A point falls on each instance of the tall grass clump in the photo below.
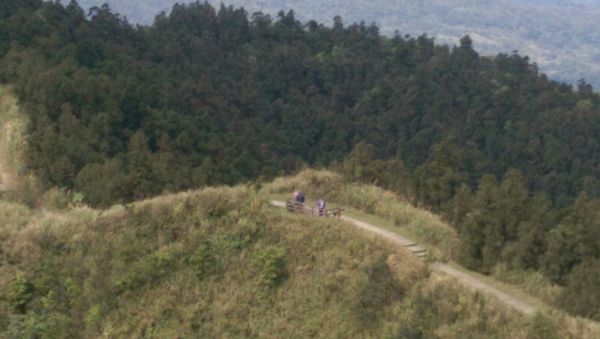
(534, 282)
(13, 126)
(24, 188)
(314, 182)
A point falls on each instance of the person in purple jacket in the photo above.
(321, 206)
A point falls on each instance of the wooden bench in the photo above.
(294, 207)
(336, 212)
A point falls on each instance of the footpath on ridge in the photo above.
(463, 277)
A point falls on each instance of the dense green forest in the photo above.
(212, 96)
(558, 35)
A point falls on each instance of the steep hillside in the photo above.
(557, 35)
(223, 263)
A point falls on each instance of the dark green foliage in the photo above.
(148, 269)
(437, 180)
(19, 292)
(361, 165)
(203, 261)
(461, 203)
(379, 290)
(271, 265)
(581, 296)
(576, 239)
(542, 328)
(502, 223)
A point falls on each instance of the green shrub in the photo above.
(378, 290)
(542, 327)
(19, 293)
(57, 199)
(531, 281)
(26, 326)
(147, 270)
(271, 265)
(60, 199)
(93, 318)
(581, 296)
(203, 261)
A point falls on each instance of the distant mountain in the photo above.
(557, 34)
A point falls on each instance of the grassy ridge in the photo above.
(386, 209)
(223, 263)
(369, 202)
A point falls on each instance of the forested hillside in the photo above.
(208, 96)
(560, 36)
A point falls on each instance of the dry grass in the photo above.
(23, 186)
(13, 125)
(338, 282)
(533, 282)
(384, 208)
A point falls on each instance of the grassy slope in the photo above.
(221, 262)
(145, 269)
(383, 208)
(374, 205)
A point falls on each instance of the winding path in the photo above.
(463, 277)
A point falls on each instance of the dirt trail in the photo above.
(475, 283)
(463, 277)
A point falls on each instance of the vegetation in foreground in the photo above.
(579, 295)
(221, 262)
